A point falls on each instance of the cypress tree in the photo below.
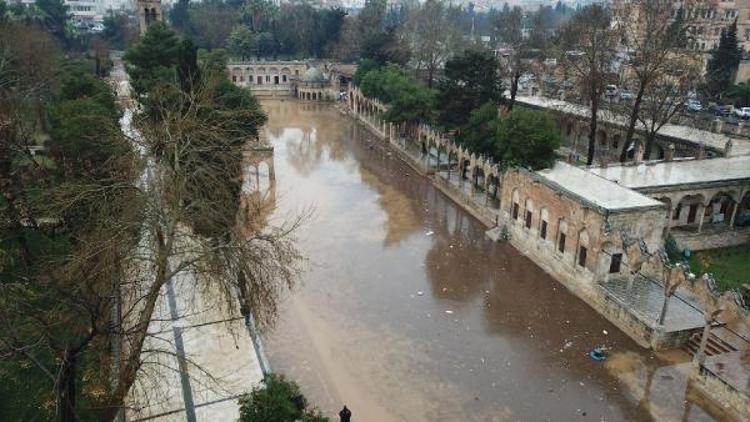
(723, 62)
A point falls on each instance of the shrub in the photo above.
(277, 400)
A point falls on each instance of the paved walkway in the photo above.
(200, 356)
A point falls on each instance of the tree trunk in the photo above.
(66, 388)
(649, 146)
(664, 307)
(700, 357)
(513, 90)
(132, 361)
(592, 130)
(631, 124)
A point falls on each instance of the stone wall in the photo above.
(735, 404)
(705, 240)
(601, 234)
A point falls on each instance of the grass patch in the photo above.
(730, 266)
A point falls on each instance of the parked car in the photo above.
(742, 112)
(693, 105)
(610, 90)
(722, 110)
(626, 95)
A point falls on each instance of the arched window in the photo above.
(529, 210)
(583, 248)
(543, 223)
(562, 234)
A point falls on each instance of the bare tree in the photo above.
(431, 36)
(190, 197)
(655, 49)
(668, 93)
(587, 46)
(509, 28)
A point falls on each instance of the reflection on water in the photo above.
(407, 312)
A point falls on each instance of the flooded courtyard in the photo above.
(406, 312)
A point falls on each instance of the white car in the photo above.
(693, 105)
(742, 112)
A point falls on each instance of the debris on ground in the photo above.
(599, 353)
(429, 233)
(420, 293)
(449, 312)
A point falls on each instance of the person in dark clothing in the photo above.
(345, 415)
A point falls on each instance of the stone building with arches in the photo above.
(671, 142)
(708, 201)
(296, 79)
(595, 236)
(602, 241)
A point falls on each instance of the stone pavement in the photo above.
(200, 356)
(206, 359)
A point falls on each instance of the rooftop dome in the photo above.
(313, 75)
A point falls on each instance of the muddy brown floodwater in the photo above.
(407, 313)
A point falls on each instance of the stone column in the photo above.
(701, 151)
(702, 209)
(669, 152)
(717, 125)
(734, 213)
(638, 151)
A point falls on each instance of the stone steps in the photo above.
(715, 345)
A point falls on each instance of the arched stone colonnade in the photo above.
(478, 176)
(707, 209)
(610, 141)
(460, 166)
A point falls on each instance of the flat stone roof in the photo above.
(715, 141)
(671, 173)
(595, 189)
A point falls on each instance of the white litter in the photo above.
(420, 293)
(429, 233)
(605, 332)
(449, 312)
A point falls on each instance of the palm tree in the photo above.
(740, 93)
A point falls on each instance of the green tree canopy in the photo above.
(153, 59)
(241, 42)
(365, 66)
(55, 18)
(277, 400)
(527, 138)
(724, 60)
(740, 93)
(471, 79)
(409, 100)
(479, 134)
